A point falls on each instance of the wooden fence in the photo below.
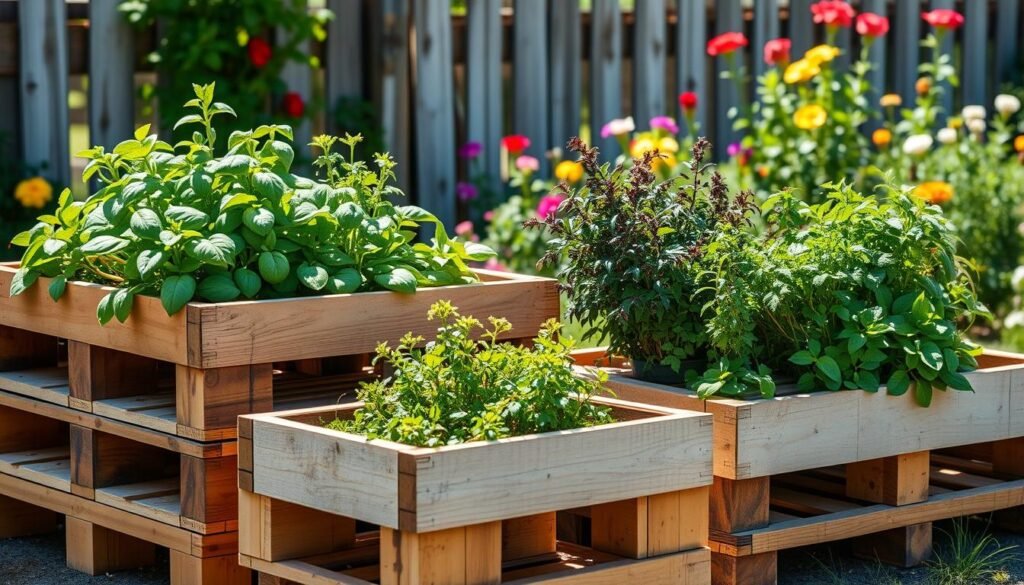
(543, 68)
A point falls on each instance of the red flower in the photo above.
(833, 13)
(777, 51)
(688, 100)
(943, 18)
(726, 43)
(515, 143)
(293, 105)
(259, 52)
(872, 25)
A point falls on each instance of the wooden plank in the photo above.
(484, 113)
(157, 499)
(528, 536)
(46, 466)
(95, 550)
(738, 505)
(766, 28)
(565, 32)
(209, 491)
(650, 40)
(343, 64)
(455, 555)
(435, 110)
(906, 35)
(21, 349)
(297, 76)
(211, 399)
(1007, 40)
(605, 73)
(391, 82)
(801, 26)
(47, 384)
(155, 412)
(688, 568)
(976, 66)
(111, 75)
(908, 546)
(879, 63)
(530, 79)
(44, 88)
(759, 569)
(728, 18)
(220, 570)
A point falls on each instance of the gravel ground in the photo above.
(40, 561)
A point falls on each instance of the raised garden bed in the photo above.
(478, 512)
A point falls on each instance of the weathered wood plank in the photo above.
(605, 73)
(691, 59)
(766, 28)
(298, 78)
(111, 73)
(650, 39)
(879, 64)
(975, 73)
(906, 33)
(344, 60)
(729, 18)
(946, 47)
(391, 83)
(530, 80)
(1007, 39)
(566, 44)
(484, 111)
(801, 26)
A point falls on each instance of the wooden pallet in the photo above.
(890, 472)
(304, 490)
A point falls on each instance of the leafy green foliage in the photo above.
(852, 293)
(966, 557)
(181, 223)
(631, 245)
(457, 390)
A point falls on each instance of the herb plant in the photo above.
(183, 223)
(631, 245)
(852, 293)
(457, 390)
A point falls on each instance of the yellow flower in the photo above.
(822, 54)
(881, 137)
(640, 146)
(668, 145)
(801, 71)
(35, 192)
(810, 117)
(955, 123)
(891, 100)
(934, 192)
(1018, 143)
(569, 171)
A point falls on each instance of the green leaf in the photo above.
(312, 276)
(148, 261)
(57, 287)
(176, 292)
(398, 280)
(922, 309)
(218, 249)
(248, 282)
(22, 280)
(145, 223)
(23, 239)
(103, 245)
(268, 185)
(956, 381)
(829, 367)
(898, 383)
(923, 392)
(259, 219)
(105, 309)
(189, 218)
(202, 183)
(931, 355)
(345, 281)
(122, 304)
(218, 288)
(233, 164)
(273, 267)
(478, 252)
(189, 119)
(141, 132)
(802, 358)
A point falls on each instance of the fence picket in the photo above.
(111, 72)
(483, 84)
(1007, 38)
(605, 72)
(298, 78)
(801, 27)
(44, 87)
(530, 76)
(878, 58)
(766, 28)
(906, 47)
(391, 84)
(343, 64)
(691, 57)
(649, 58)
(976, 64)
(435, 110)
(566, 42)
(729, 17)
(946, 100)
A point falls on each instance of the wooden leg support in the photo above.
(1008, 463)
(95, 550)
(101, 460)
(225, 570)
(469, 555)
(209, 493)
(20, 519)
(894, 481)
(738, 505)
(652, 525)
(209, 401)
(529, 536)
(98, 373)
(274, 530)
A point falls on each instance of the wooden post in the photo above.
(529, 536)
(566, 42)
(210, 400)
(18, 518)
(209, 493)
(605, 72)
(435, 110)
(111, 72)
(894, 481)
(738, 505)
(95, 550)
(469, 554)
(274, 530)
(649, 56)
(98, 373)
(44, 87)
(530, 76)
(652, 525)
(190, 570)
(483, 84)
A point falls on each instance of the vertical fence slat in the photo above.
(298, 78)
(435, 109)
(729, 17)
(649, 58)
(691, 57)
(111, 72)
(530, 75)
(976, 66)
(483, 83)
(877, 56)
(946, 101)
(344, 62)
(1007, 33)
(906, 47)
(605, 72)
(766, 28)
(391, 82)
(44, 87)
(566, 37)
(801, 27)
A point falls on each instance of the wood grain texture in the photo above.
(111, 75)
(530, 80)
(484, 112)
(468, 555)
(759, 569)
(565, 33)
(738, 505)
(688, 568)
(605, 73)
(95, 550)
(275, 530)
(222, 570)
(208, 489)
(212, 399)
(22, 349)
(907, 546)
(650, 50)
(691, 58)
(528, 536)
(19, 519)
(896, 481)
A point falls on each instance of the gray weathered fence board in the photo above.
(976, 64)
(906, 47)
(691, 58)
(766, 28)
(566, 42)
(483, 84)
(531, 99)
(391, 85)
(44, 87)
(605, 72)
(729, 16)
(649, 61)
(343, 65)
(801, 27)
(112, 69)
(1007, 38)
(877, 55)
(435, 109)
(298, 78)
(946, 101)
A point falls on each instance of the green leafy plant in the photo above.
(183, 223)
(457, 390)
(852, 293)
(631, 246)
(967, 557)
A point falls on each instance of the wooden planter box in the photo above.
(193, 373)
(802, 469)
(477, 513)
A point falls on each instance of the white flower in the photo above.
(1018, 278)
(917, 144)
(618, 127)
(976, 126)
(1014, 320)
(1007, 104)
(947, 135)
(973, 113)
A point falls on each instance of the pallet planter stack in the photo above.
(321, 507)
(129, 430)
(804, 469)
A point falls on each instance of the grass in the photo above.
(969, 557)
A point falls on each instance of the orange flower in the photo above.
(881, 137)
(35, 192)
(762, 171)
(934, 192)
(923, 85)
(1018, 143)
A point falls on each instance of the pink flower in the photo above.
(489, 215)
(833, 13)
(466, 191)
(665, 123)
(726, 43)
(493, 264)
(776, 51)
(618, 127)
(549, 205)
(464, 228)
(471, 150)
(943, 18)
(526, 163)
(872, 25)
